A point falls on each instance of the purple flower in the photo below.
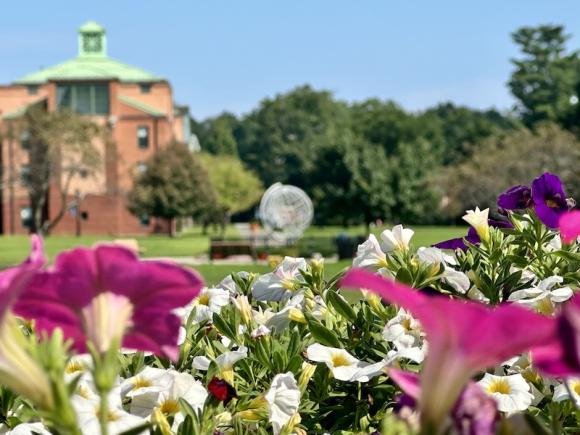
(471, 237)
(549, 199)
(106, 295)
(546, 196)
(516, 198)
(474, 413)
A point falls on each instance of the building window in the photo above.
(84, 98)
(25, 140)
(25, 174)
(32, 89)
(145, 88)
(26, 217)
(143, 137)
(144, 220)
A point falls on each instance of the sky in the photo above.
(229, 55)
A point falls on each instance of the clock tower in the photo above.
(92, 40)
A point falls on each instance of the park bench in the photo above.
(226, 248)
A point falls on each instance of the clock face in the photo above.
(92, 43)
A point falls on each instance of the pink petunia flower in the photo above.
(107, 294)
(570, 226)
(463, 337)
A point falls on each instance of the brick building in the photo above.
(135, 107)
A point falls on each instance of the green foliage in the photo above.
(237, 188)
(546, 77)
(516, 158)
(218, 134)
(173, 185)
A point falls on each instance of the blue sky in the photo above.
(228, 55)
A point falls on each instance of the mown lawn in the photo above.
(14, 249)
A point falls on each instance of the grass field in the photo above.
(14, 249)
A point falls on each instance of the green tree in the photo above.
(545, 80)
(516, 158)
(174, 185)
(61, 148)
(217, 135)
(461, 129)
(236, 187)
(280, 139)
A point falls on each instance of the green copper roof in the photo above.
(91, 26)
(89, 68)
(140, 106)
(92, 63)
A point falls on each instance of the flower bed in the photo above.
(479, 339)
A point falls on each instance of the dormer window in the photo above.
(145, 88)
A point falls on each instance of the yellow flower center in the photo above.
(287, 283)
(575, 386)
(169, 407)
(140, 382)
(203, 299)
(552, 203)
(339, 360)
(84, 392)
(499, 386)
(74, 366)
(406, 324)
(545, 306)
(112, 415)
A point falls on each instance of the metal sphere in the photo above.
(286, 210)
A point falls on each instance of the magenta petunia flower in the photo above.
(561, 357)
(570, 226)
(464, 337)
(106, 294)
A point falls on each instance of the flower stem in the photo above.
(104, 412)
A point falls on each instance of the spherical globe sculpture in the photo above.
(286, 211)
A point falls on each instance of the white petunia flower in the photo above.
(343, 365)
(543, 296)
(369, 255)
(225, 362)
(78, 365)
(86, 405)
(28, 429)
(149, 380)
(512, 392)
(182, 386)
(396, 239)
(260, 331)
(209, 301)
(434, 256)
(282, 283)
(406, 335)
(229, 284)
(562, 391)
(283, 399)
(479, 220)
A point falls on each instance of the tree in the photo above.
(545, 81)
(174, 184)
(236, 187)
(60, 147)
(280, 139)
(217, 135)
(507, 160)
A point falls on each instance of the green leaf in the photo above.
(341, 305)
(322, 334)
(224, 327)
(137, 430)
